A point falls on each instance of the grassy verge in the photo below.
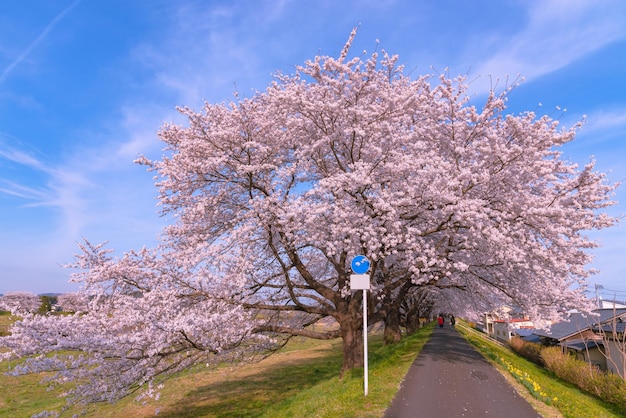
(301, 380)
(539, 382)
(24, 396)
(345, 398)
(6, 320)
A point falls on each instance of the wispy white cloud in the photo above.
(12, 188)
(20, 157)
(139, 124)
(604, 120)
(7, 71)
(603, 135)
(557, 33)
(211, 52)
(37, 182)
(94, 192)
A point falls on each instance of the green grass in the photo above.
(6, 319)
(24, 396)
(300, 381)
(567, 399)
(345, 398)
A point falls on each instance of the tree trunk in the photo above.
(412, 323)
(393, 333)
(351, 326)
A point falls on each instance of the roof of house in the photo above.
(511, 320)
(619, 326)
(578, 322)
(580, 345)
(527, 334)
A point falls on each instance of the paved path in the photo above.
(451, 379)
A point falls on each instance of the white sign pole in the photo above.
(365, 339)
(360, 280)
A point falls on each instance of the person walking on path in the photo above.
(440, 321)
(449, 379)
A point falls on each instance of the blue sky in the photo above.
(85, 86)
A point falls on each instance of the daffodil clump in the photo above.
(525, 379)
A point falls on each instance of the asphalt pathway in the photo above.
(449, 379)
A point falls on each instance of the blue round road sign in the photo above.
(360, 264)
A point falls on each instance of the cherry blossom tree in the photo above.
(20, 303)
(73, 302)
(350, 156)
(141, 322)
(272, 196)
(416, 307)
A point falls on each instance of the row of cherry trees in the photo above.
(19, 303)
(25, 303)
(458, 207)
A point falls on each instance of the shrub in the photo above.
(610, 388)
(606, 386)
(530, 351)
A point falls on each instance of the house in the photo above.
(612, 332)
(489, 318)
(504, 329)
(503, 323)
(591, 338)
(610, 304)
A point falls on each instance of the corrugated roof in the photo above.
(578, 322)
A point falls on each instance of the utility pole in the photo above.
(598, 300)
